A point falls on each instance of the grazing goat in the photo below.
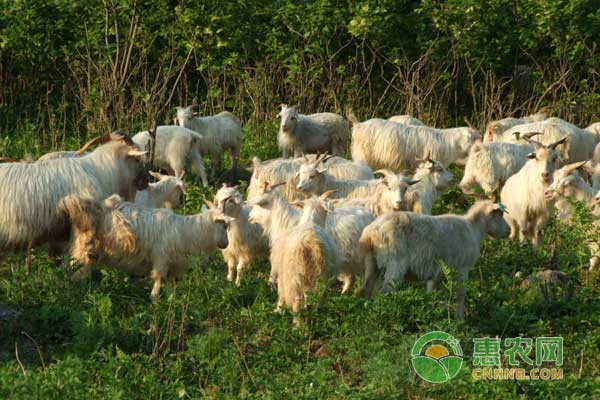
(404, 243)
(344, 224)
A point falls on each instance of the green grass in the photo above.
(206, 338)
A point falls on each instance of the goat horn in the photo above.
(561, 141)
(531, 134)
(325, 195)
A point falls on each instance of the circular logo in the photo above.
(437, 357)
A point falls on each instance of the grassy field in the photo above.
(206, 338)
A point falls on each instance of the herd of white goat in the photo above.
(315, 215)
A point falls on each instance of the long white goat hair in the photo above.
(580, 144)
(284, 170)
(386, 144)
(246, 240)
(32, 191)
(166, 193)
(164, 240)
(406, 120)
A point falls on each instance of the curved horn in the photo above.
(325, 195)
(535, 143)
(561, 141)
(529, 135)
(573, 166)
(517, 135)
(276, 185)
(97, 140)
(210, 204)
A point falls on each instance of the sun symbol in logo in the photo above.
(436, 357)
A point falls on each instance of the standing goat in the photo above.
(246, 240)
(163, 240)
(386, 144)
(29, 202)
(523, 193)
(404, 243)
(302, 134)
(175, 148)
(490, 164)
(221, 133)
(432, 179)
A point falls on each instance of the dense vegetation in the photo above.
(71, 68)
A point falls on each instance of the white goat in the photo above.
(432, 180)
(490, 164)
(246, 240)
(404, 243)
(386, 144)
(344, 225)
(579, 147)
(32, 191)
(176, 146)
(570, 185)
(163, 240)
(301, 252)
(167, 192)
(406, 119)
(523, 193)
(285, 170)
(221, 133)
(387, 193)
(322, 132)
(496, 129)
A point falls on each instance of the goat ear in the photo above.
(321, 170)
(531, 156)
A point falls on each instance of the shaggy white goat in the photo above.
(386, 144)
(580, 146)
(404, 243)
(58, 154)
(176, 146)
(387, 193)
(30, 213)
(490, 164)
(246, 240)
(301, 252)
(322, 132)
(496, 129)
(285, 170)
(221, 133)
(167, 192)
(163, 240)
(523, 193)
(570, 185)
(432, 180)
(344, 225)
